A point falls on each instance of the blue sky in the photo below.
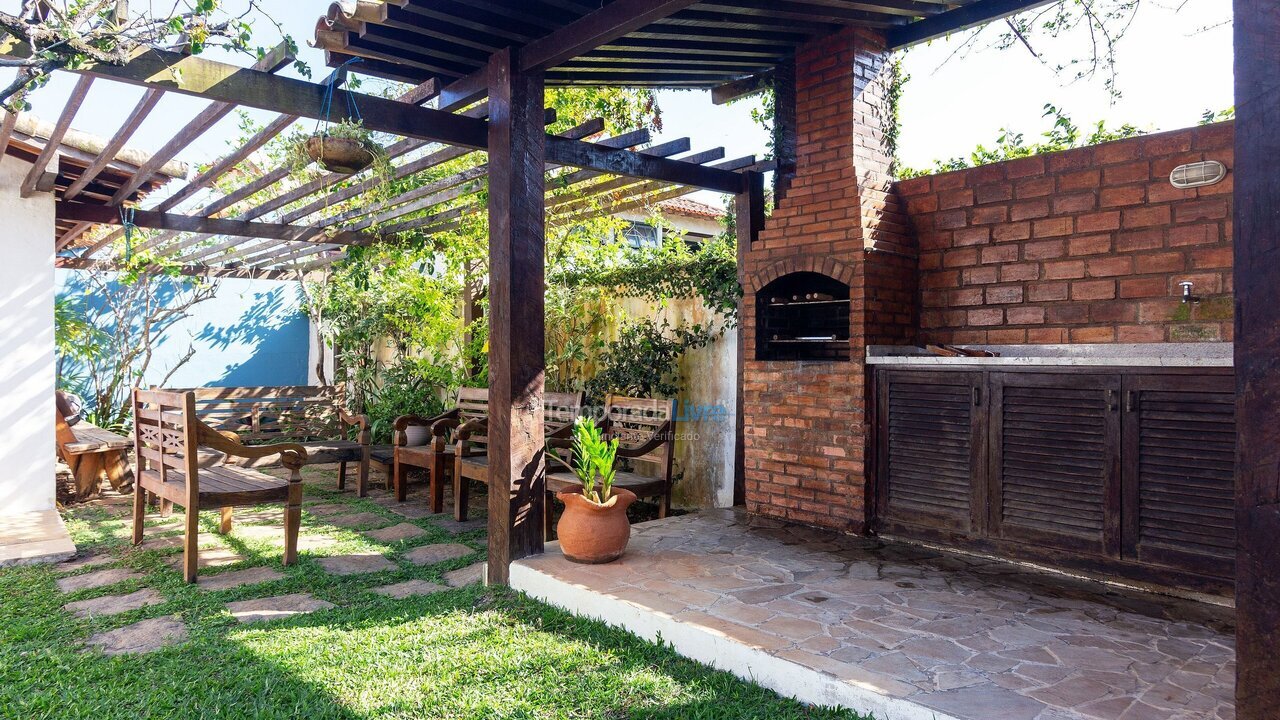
(1171, 71)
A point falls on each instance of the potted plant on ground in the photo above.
(346, 147)
(594, 527)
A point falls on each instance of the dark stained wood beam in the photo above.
(748, 206)
(36, 176)
(1257, 345)
(963, 18)
(193, 75)
(107, 215)
(78, 263)
(140, 112)
(597, 28)
(784, 127)
(730, 91)
(517, 340)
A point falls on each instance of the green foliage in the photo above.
(644, 360)
(592, 460)
(408, 387)
(1210, 116)
(1064, 134)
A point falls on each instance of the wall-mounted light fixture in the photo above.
(1197, 174)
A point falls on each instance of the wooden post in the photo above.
(516, 314)
(784, 127)
(1257, 344)
(748, 207)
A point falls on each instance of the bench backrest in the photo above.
(272, 414)
(166, 435)
(636, 421)
(558, 408)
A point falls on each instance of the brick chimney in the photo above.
(806, 421)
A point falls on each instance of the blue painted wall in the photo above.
(252, 333)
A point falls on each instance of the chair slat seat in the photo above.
(221, 486)
(91, 438)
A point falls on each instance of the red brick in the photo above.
(1202, 258)
(1117, 151)
(1089, 245)
(984, 275)
(1128, 173)
(1139, 333)
(1033, 187)
(1113, 312)
(1213, 209)
(993, 193)
(1011, 231)
(1110, 266)
(1043, 250)
(1069, 314)
(1050, 227)
(1103, 334)
(989, 214)
(1145, 216)
(1029, 209)
(1140, 240)
(986, 317)
(1096, 222)
(1093, 290)
(1159, 263)
(1016, 272)
(1063, 269)
(1193, 235)
(1004, 295)
(951, 199)
(1025, 315)
(1047, 291)
(960, 258)
(1140, 287)
(1079, 202)
(972, 236)
(1080, 180)
(999, 254)
(1117, 197)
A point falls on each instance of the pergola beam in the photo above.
(140, 112)
(962, 18)
(751, 85)
(594, 29)
(35, 177)
(106, 215)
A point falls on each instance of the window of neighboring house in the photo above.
(642, 235)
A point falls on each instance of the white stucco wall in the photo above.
(27, 380)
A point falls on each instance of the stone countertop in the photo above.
(1098, 355)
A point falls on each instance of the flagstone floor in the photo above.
(901, 630)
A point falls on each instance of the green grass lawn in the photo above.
(463, 653)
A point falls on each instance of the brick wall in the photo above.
(805, 422)
(1080, 246)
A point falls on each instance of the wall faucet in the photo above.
(1187, 297)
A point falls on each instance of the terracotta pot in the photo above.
(591, 533)
(340, 155)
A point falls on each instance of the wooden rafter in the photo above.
(106, 215)
(36, 175)
(140, 112)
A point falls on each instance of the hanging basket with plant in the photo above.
(346, 147)
(594, 527)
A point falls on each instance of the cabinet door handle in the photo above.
(1131, 401)
(1113, 400)
(977, 395)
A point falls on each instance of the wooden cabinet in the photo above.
(1126, 471)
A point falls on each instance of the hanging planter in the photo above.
(345, 148)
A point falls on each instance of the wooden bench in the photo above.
(168, 437)
(471, 441)
(313, 417)
(645, 429)
(91, 453)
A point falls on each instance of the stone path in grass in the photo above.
(396, 533)
(465, 576)
(359, 520)
(97, 579)
(274, 608)
(409, 588)
(141, 637)
(432, 554)
(238, 578)
(108, 605)
(357, 564)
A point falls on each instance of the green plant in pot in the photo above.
(346, 147)
(594, 527)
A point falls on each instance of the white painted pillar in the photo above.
(27, 380)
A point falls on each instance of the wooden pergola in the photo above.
(508, 50)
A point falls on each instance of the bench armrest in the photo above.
(558, 432)
(660, 437)
(292, 455)
(471, 427)
(357, 421)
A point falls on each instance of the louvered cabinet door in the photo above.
(1055, 462)
(931, 452)
(1179, 483)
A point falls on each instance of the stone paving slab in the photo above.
(141, 637)
(413, 509)
(408, 588)
(97, 579)
(238, 578)
(359, 520)
(274, 608)
(34, 537)
(355, 564)
(900, 630)
(432, 554)
(210, 558)
(455, 527)
(396, 533)
(465, 576)
(329, 509)
(89, 561)
(114, 604)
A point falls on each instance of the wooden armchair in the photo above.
(167, 439)
(645, 429)
(436, 457)
(471, 444)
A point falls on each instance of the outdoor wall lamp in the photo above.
(1197, 174)
(1187, 297)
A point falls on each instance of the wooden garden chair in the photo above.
(167, 439)
(436, 457)
(471, 443)
(645, 429)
